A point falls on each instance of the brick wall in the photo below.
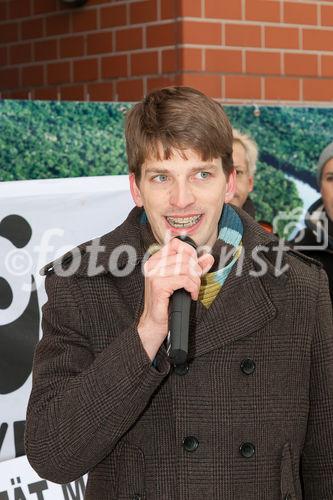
(237, 50)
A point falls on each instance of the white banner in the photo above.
(39, 221)
(18, 481)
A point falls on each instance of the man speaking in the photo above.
(250, 412)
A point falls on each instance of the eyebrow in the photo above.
(199, 168)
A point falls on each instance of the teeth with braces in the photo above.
(179, 222)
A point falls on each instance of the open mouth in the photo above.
(183, 222)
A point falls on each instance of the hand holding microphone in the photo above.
(175, 266)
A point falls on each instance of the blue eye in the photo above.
(204, 175)
(160, 178)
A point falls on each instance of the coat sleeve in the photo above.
(317, 458)
(82, 403)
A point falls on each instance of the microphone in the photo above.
(179, 319)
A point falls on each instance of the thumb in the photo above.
(205, 262)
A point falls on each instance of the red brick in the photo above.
(8, 33)
(9, 78)
(84, 20)
(32, 29)
(33, 76)
(100, 92)
(114, 66)
(327, 65)
(129, 39)
(317, 40)
(201, 33)
(191, 59)
(223, 9)
(281, 38)
(224, 61)
(242, 87)
(170, 60)
(144, 63)
(208, 84)
(282, 88)
(301, 64)
(58, 73)
(300, 13)
(21, 53)
(161, 34)
(190, 8)
(3, 56)
(96, 2)
(262, 10)
(160, 82)
(86, 70)
(44, 6)
(243, 36)
(263, 63)
(318, 90)
(17, 94)
(130, 90)
(72, 46)
(113, 16)
(327, 15)
(3, 11)
(170, 10)
(57, 25)
(19, 8)
(45, 50)
(99, 43)
(72, 93)
(143, 12)
(46, 94)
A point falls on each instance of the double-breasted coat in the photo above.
(251, 418)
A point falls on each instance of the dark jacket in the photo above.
(251, 418)
(249, 207)
(316, 242)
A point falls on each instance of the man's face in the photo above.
(244, 182)
(326, 188)
(183, 196)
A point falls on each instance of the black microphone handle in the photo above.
(180, 304)
(179, 319)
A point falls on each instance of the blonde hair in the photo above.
(250, 147)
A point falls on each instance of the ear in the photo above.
(251, 183)
(135, 191)
(231, 187)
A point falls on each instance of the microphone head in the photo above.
(188, 240)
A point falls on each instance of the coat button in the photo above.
(190, 443)
(181, 369)
(247, 450)
(248, 366)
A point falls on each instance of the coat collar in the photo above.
(125, 245)
(241, 307)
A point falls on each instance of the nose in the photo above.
(182, 195)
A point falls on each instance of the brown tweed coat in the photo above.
(251, 419)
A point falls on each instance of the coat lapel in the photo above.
(241, 307)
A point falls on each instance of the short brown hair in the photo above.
(177, 118)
